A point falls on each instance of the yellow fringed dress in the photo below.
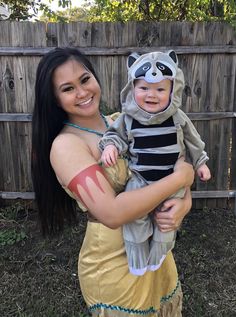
(108, 288)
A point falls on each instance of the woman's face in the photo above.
(76, 89)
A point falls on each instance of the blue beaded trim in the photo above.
(168, 297)
(135, 311)
(122, 309)
(88, 129)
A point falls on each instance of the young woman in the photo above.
(67, 125)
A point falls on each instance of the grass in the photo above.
(206, 258)
(39, 276)
(11, 231)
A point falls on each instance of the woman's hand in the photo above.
(172, 213)
(185, 170)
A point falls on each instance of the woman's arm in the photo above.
(77, 169)
(173, 212)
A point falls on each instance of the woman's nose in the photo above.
(80, 92)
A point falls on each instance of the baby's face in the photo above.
(152, 97)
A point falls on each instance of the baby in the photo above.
(153, 132)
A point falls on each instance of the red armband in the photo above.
(82, 178)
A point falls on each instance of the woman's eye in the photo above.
(85, 79)
(69, 88)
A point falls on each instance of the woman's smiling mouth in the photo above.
(85, 103)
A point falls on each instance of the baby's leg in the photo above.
(136, 237)
(161, 243)
(137, 234)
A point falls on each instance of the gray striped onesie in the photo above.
(153, 143)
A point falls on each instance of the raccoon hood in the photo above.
(152, 67)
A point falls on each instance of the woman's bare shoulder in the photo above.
(69, 155)
(66, 141)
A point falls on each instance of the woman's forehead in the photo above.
(71, 65)
(71, 69)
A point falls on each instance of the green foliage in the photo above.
(11, 232)
(149, 10)
(154, 10)
(126, 10)
(11, 236)
(27, 9)
(11, 212)
(162, 10)
(114, 11)
(68, 15)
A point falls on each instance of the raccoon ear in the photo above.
(173, 55)
(132, 58)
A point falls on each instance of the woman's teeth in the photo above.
(86, 102)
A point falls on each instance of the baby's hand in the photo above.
(204, 173)
(109, 155)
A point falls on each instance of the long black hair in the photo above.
(54, 205)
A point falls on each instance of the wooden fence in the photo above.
(207, 55)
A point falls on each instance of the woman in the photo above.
(67, 125)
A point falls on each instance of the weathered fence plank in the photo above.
(120, 51)
(230, 195)
(23, 117)
(199, 116)
(17, 76)
(19, 34)
(195, 194)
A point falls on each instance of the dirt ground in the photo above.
(39, 276)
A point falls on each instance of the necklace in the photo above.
(88, 129)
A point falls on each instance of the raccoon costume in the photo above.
(153, 143)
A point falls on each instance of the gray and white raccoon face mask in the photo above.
(152, 67)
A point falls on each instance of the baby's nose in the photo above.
(152, 94)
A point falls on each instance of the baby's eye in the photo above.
(160, 89)
(143, 88)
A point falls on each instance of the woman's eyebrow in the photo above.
(64, 84)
